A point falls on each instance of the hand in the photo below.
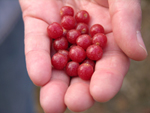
(121, 20)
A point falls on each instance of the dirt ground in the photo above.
(134, 96)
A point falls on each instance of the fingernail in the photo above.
(140, 41)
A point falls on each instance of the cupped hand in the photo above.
(121, 20)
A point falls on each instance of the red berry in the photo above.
(73, 40)
(65, 53)
(72, 35)
(99, 39)
(91, 62)
(54, 30)
(71, 46)
(77, 54)
(64, 32)
(60, 43)
(84, 41)
(94, 52)
(82, 16)
(66, 10)
(85, 71)
(72, 68)
(83, 28)
(68, 22)
(59, 61)
(96, 28)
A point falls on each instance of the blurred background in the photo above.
(17, 91)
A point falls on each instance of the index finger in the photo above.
(37, 50)
(37, 43)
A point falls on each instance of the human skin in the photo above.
(121, 20)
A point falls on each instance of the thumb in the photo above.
(126, 22)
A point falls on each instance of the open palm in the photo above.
(57, 90)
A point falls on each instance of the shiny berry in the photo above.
(83, 28)
(54, 30)
(72, 35)
(82, 16)
(71, 46)
(65, 53)
(72, 68)
(59, 61)
(91, 62)
(96, 28)
(60, 43)
(84, 41)
(68, 22)
(66, 10)
(94, 52)
(99, 39)
(64, 32)
(85, 71)
(77, 54)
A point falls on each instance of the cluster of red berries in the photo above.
(77, 46)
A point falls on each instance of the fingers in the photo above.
(107, 81)
(37, 44)
(52, 94)
(109, 73)
(126, 22)
(78, 97)
(37, 51)
(49, 13)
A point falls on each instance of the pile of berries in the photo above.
(77, 47)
